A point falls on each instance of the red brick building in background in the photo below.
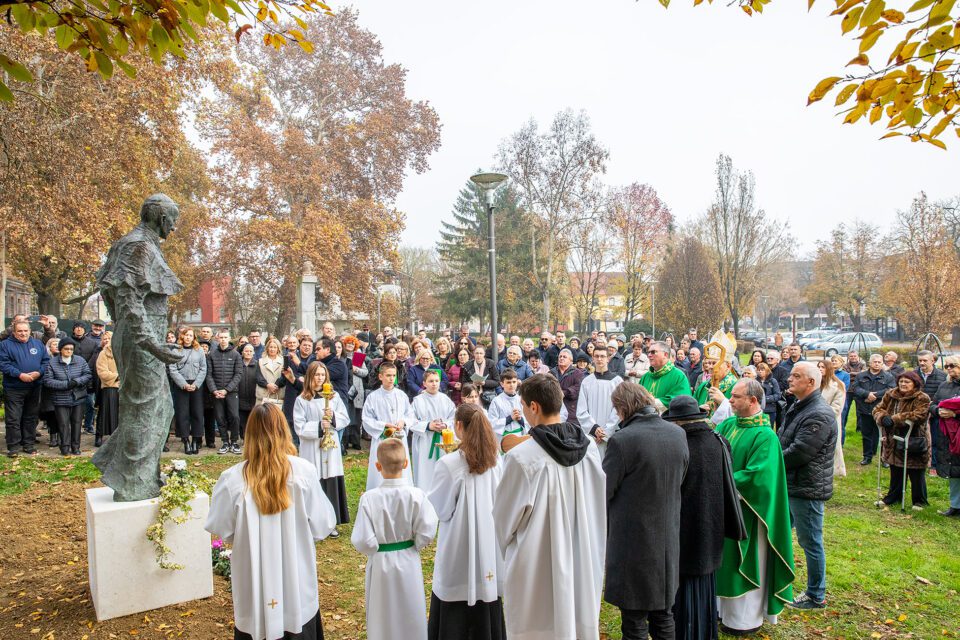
(213, 302)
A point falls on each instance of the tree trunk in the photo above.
(955, 336)
(736, 325)
(48, 303)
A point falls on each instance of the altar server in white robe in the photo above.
(468, 567)
(387, 408)
(594, 408)
(311, 417)
(550, 517)
(271, 508)
(394, 521)
(433, 412)
(505, 413)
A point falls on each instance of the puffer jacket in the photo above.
(948, 464)
(808, 439)
(68, 381)
(902, 407)
(224, 369)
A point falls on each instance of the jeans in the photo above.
(22, 407)
(227, 412)
(871, 435)
(955, 493)
(634, 624)
(847, 403)
(807, 516)
(90, 411)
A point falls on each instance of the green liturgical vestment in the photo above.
(665, 383)
(761, 480)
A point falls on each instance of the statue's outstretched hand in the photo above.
(163, 353)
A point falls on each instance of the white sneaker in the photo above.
(224, 449)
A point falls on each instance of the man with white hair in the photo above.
(755, 580)
(616, 363)
(808, 439)
(868, 389)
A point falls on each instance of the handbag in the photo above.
(914, 445)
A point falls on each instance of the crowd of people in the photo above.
(667, 475)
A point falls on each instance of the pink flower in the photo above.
(217, 543)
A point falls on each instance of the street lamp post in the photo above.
(488, 183)
(653, 307)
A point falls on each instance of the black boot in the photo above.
(195, 448)
(98, 440)
(186, 446)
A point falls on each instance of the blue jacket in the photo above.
(522, 370)
(415, 376)
(68, 381)
(22, 357)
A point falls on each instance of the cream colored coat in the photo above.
(835, 394)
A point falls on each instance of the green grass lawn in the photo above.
(889, 575)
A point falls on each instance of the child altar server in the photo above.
(505, 414)
(595, 410)
(433, 412)
(552, 489)
(467, 569)
(271, 508)
(313, 415)
(386, 414)
(394, 521)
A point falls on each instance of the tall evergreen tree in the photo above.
(462, 250)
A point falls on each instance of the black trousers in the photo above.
(209, 425)
(351, 435)
(635, 624)
(871, 435)
(227, 413)
(188, 412)
(22, 407)
(918, 486)
(244, 416)
(69, 423)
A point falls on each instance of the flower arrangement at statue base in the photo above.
(179, 489)
(221, 557)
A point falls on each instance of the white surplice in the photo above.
(307, 415)
(594, 406)
(501, 415)
(468, 566)
(274, 563)
(427, 408)
(382, 407)
(396, 511)
(551, 525)
(749, 611)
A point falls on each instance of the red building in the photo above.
(213, 302)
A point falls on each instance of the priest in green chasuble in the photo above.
(664, 381)
(755, 580)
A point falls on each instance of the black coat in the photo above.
(247, 389)
(702, 516)
(948, 465)
(866, 383)
(645, 464)
(489, 370)
(618, 366)
(224, 369)
(809, 439)
(694, 373)
(339, 376)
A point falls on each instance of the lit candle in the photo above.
(327, 388)
(447, 437)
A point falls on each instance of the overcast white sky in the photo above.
(666, 90)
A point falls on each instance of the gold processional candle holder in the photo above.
(449, 443)
(328, 442)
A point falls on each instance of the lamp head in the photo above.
(488, 183)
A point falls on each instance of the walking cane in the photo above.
(906, 441)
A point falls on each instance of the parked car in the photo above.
(751, 336)
(809, 338)
(845, 342)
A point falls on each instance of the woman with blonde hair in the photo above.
(467, 571)
(444, 353)
(312, 416)
(109, 378)
(269, 370)
(834, 393)
(271, 508)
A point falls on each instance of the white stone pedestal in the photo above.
(124, 575)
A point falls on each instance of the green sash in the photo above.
(395, 546)
(435, 445)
